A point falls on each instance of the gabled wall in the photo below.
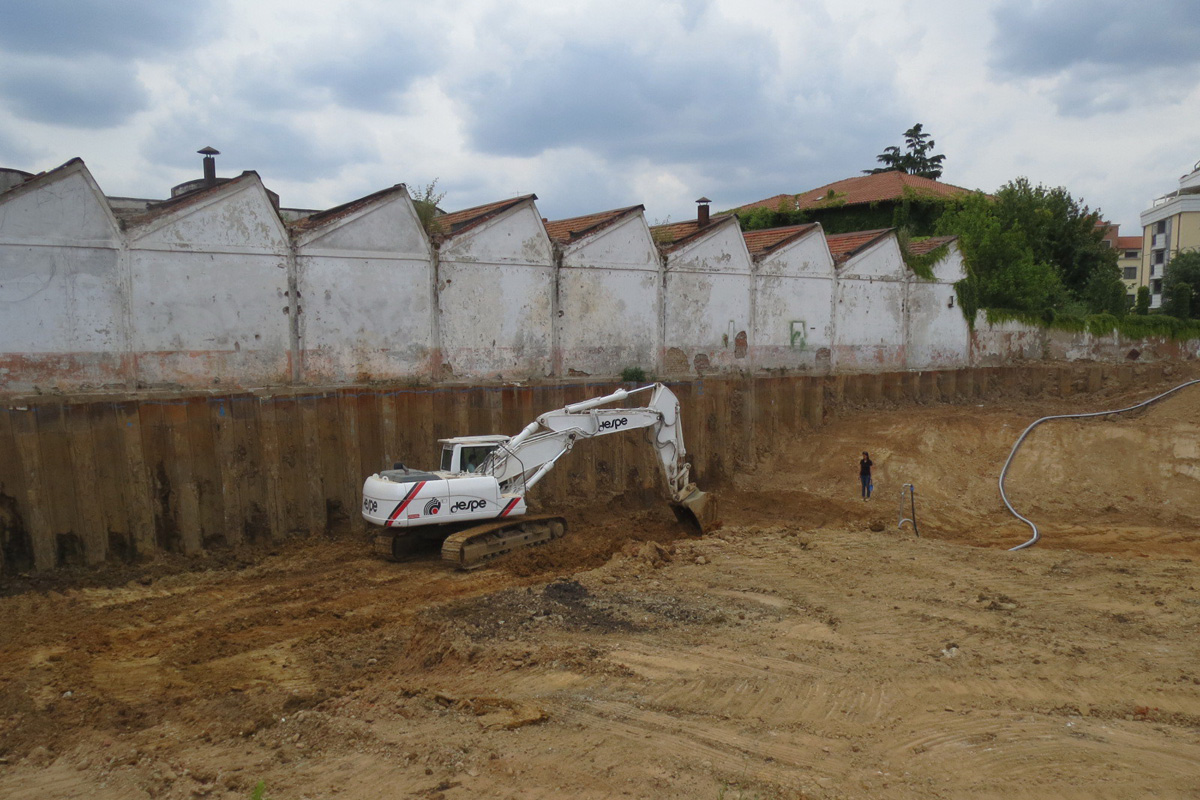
(495, 295)
(706, 303)
(63, 294)
(793, 306)
(938, 333)
(869, 309)
(210, 300)
(366, 290)
(609, 289)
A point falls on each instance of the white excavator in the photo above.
(475, 503)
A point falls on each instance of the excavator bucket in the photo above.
(696, 509)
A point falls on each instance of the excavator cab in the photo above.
(464, 454)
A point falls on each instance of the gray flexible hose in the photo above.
(1017, 446)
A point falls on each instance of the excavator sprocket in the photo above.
(477, 545)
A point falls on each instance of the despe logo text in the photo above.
(467, 505)
(613, 423)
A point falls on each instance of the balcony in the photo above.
(1159, 242)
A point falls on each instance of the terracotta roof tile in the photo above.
(844, 246)
(923, 246)
(859, 191)
(1129, 242)
(458, 222)
(331, 215)
(564, 231)
(763, 241)
(676, 234)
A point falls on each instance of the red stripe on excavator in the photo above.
(509, 507)
(404, 503)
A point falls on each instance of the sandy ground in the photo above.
(808, 649)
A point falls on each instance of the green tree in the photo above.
(1032, 248)
(1142, 306)
(1002, 271)
(1177, 302)
(1061, 231)
(917, 158)
(1183, 269)
(1105, 293)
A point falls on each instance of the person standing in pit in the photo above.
(864, 475)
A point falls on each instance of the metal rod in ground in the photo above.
(911, 491)
(912, 497)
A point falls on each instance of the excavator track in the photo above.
(475, 546)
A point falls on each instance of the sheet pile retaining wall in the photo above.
(85, 481)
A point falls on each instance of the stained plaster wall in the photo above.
(495, 285)
(793, 306)
(609, 296)
(210, 292)
(63, 300)
(869, 310)
(706, 304)
(938, 333)
(366, 296)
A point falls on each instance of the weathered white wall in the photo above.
(495, 298)
(869, 310)
(210, 291)
(1005, 342)
(938, 334)
(63, 305)
(201, 293)
(609, 298)
(706, 303)
(366, 296)
(793, 306)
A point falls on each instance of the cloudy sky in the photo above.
(597, 105)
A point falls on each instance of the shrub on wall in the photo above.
(1132, 326)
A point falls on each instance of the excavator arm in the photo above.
(525, 459)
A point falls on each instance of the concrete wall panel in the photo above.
(63, 313)
(366, 296)
(495, 299)
(495, 320)
(707, 322)
(793, 307)
(706, 304)
(608, 320)
(609, 301)
(209, 318)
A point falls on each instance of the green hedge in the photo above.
(1131, 327)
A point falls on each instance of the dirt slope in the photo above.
(795, 653)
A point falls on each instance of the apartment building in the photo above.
(1170, 226)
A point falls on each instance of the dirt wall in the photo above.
(85, 481)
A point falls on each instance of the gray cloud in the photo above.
(92, 92)
(371, 76)
(1099, 50)
(15, 152)
(70, 28)
(276, 150)
(719, 105)
(71, 62)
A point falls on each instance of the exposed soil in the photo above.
(797, 652)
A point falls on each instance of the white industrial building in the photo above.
(219, 287)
